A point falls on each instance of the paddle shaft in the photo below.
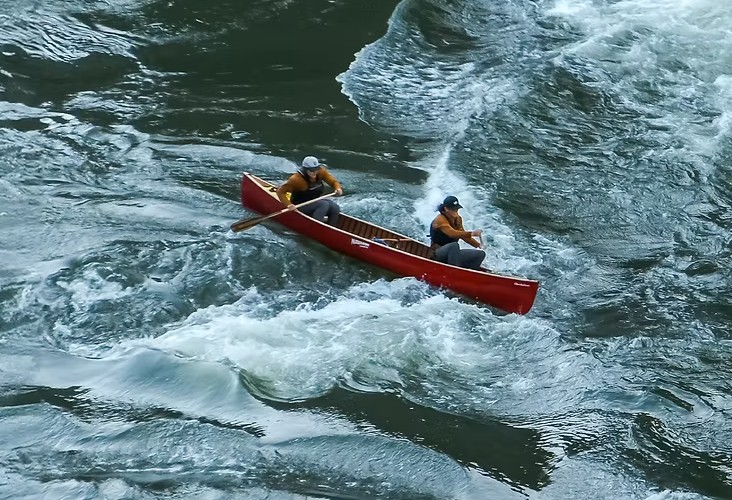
(245, 224)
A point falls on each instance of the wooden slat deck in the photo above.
(369, 231)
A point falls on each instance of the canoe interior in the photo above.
(358, 227)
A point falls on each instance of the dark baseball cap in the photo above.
(451, 202)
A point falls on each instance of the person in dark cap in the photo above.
(445, 232)
(307, 184)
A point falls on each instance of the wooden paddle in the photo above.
(390, 239)
(245, 224)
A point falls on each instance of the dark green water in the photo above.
(148, 352)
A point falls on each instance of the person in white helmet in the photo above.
(308, 184)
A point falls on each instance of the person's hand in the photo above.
(291, 207)
(479, 234)
(338, 192)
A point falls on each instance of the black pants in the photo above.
(452, 254)
(324, 211)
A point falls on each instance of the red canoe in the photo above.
(399, 254)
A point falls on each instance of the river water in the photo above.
(146, 351)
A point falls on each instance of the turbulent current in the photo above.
(147, 351)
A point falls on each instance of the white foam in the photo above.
(376, 337)
(420, 92)
(91, 288)
(724, 101)
(680, 45)
(674, 495)
(302, 352)
(61, 37)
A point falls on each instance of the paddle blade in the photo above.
(243, 225)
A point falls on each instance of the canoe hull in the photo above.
(509, 294)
